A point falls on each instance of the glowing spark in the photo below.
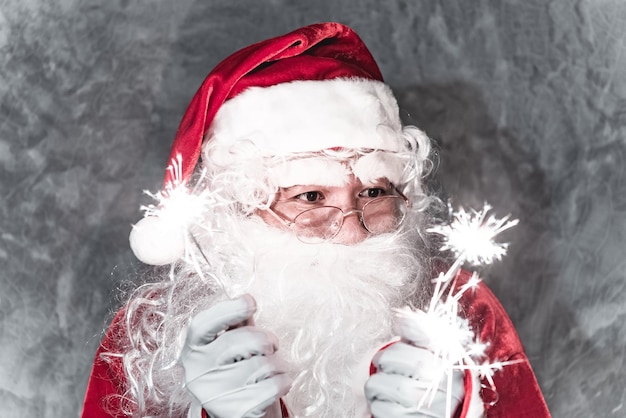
(472, 284)
(446, 333)
(440, 328)
(178, 205)
(477, 349)
(471, 235)
(188, 209)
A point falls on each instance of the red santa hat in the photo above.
(312, 89)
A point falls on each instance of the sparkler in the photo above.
(470, 237)
(177, 204)
(179, 212)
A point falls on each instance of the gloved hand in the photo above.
(404, 373)
(230, 365)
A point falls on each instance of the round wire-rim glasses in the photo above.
(378, 216)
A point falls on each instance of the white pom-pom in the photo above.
(156, 241)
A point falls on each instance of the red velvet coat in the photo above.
(518, 394)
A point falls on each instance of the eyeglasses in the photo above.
(378, 216)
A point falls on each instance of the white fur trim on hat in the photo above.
(310, 171)
(308, 116)
(328, 172)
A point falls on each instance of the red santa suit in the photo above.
(516, 395)
(328, 63)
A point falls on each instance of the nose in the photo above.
(352, 231)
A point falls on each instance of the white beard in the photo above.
(330, 305)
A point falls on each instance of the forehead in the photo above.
(333, 171)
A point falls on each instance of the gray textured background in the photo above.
(526, 99)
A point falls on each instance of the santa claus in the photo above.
(293, 220)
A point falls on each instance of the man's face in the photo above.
(331, 306)
(311, 211)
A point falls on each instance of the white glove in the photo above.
(410, 381)
(400, 386)
(230, 365)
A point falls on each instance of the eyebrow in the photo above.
(299, 189)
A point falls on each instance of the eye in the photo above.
(374, 192)
(310, 196)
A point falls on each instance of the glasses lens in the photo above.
(384, 214)
(318, 224)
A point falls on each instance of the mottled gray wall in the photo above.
(526, 99)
